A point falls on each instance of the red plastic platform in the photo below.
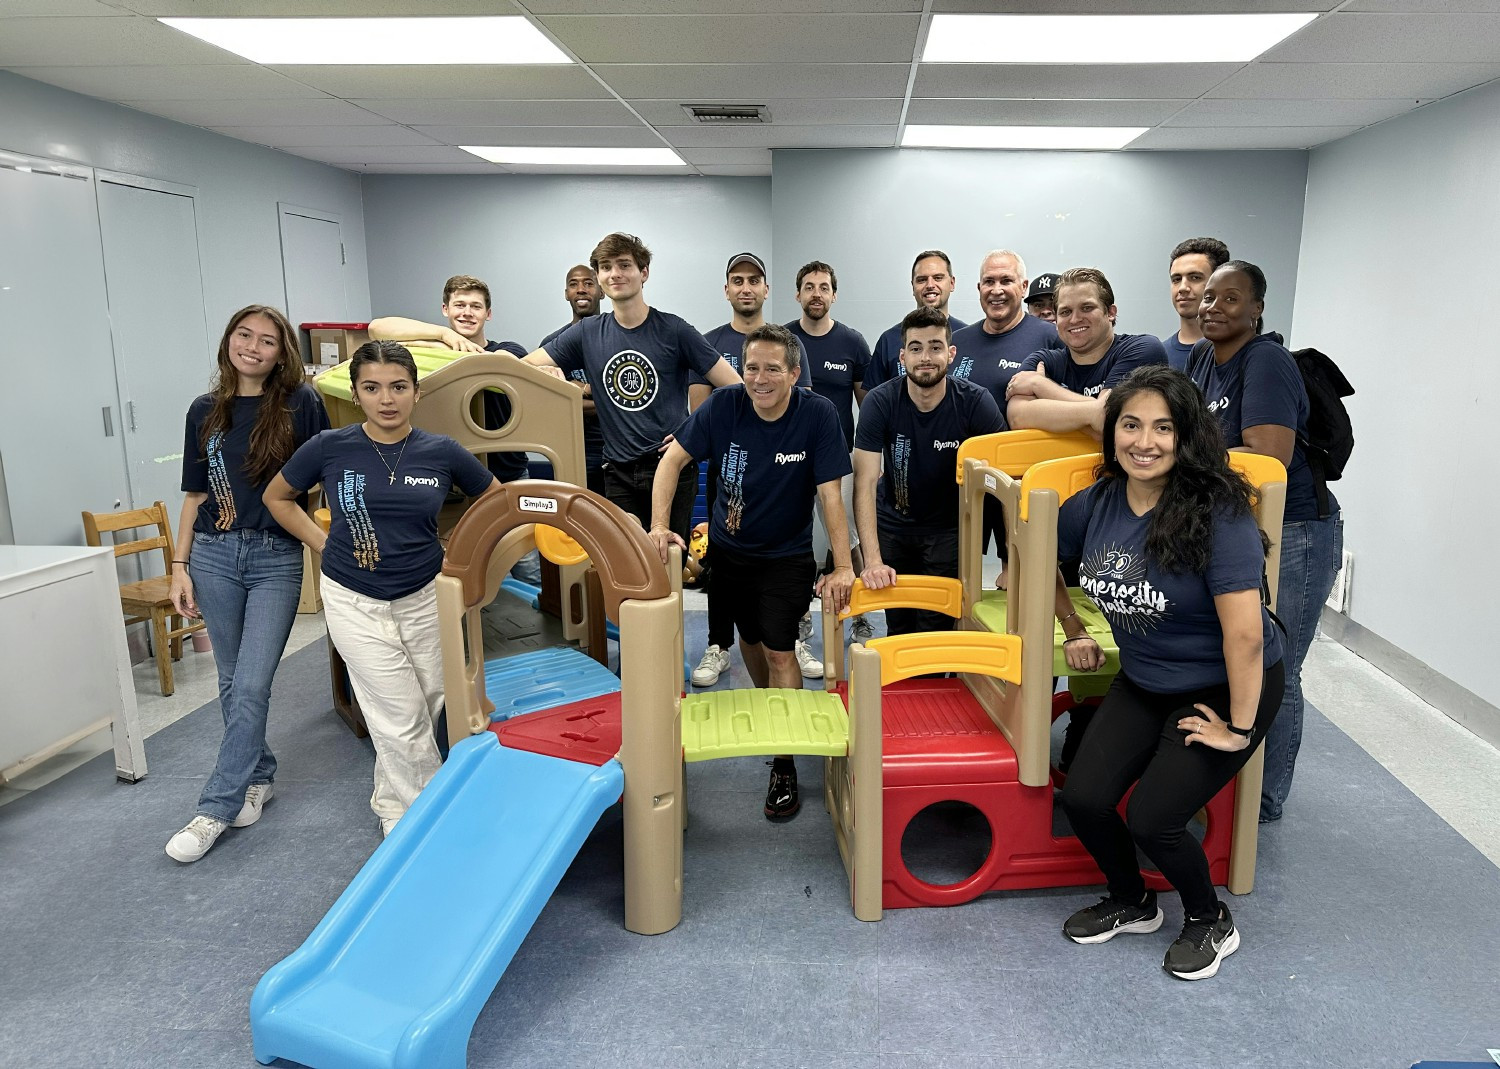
(587, 731)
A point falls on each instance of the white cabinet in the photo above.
(64, 669)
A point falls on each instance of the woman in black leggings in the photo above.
(1169, 550)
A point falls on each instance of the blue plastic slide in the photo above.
(397, 971)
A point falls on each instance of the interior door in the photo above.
(161, 344)
(312, 263)
(60, 429)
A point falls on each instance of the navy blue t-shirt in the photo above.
(233, 502)
(639, 376)
(918, 491)
(769, 470)
(506, 466)
(990, 360)
(383, 540)
(836, 361)
(1177, 351)
(730, 344)
(1261, 385)
(885, 361)
(1126, 353)
(593, 437)
(1165, 623)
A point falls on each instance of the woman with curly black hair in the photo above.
(1169, 550)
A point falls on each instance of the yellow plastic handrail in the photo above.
(925, 652)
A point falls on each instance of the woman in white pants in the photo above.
(385, 482)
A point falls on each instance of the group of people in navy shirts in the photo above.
(1164, 541)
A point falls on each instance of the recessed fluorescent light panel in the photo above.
(577, 157)
(1042, 137)
(1106, 38)
(503, 39)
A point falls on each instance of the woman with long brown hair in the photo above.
(233, 565)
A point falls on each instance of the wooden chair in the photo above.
(146, 599)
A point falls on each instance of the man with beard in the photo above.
(932, 285)
(905, 496)
(581, 291)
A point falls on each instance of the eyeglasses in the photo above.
(772, 371)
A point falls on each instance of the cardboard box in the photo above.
(333, 343)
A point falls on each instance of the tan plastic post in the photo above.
(863, 823)
(651, 752)
(971, 532)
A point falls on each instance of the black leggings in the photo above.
(1134, 737)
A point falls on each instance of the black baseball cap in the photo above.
(745, 257)
(1041, 286)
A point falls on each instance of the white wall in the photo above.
(521, 234)
(868, 212)
(1400, 221)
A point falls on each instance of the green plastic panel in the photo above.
(335, 381)
(751, 723)
(991, 613)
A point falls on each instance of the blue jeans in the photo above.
(247, 584)
(1310, 554)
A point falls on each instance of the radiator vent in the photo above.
(728, 114)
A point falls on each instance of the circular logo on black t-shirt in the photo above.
(630, 381)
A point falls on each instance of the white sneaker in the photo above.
(715, 663)
(860, 629)
(193, 841)
(812, 668)
(256, 796)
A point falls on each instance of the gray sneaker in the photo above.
(860, 629)
(256, 796)
(804, 627)
(193, 841)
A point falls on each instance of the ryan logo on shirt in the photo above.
(939, 444)
(412, 480)
(791, 458)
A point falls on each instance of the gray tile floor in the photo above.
(1368, 938)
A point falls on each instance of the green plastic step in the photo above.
(754, 723)
(991, 613)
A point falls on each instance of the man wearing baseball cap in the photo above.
(1041, 299)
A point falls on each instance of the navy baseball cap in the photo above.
(1041, 286)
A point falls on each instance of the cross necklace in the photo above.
(391, 468)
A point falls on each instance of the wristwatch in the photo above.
(1242, 732)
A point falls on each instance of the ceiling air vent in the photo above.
(728, 114)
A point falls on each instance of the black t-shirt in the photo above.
(919, 451)
(593, 437)
(1177, 351)
(506, 466)
(989, 360)
(836, 361)
(885, 360)
(1126, 353)
(639, 376)
(769, 470)
(233, 502)
(383, 540)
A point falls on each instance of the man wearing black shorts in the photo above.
(778, 448)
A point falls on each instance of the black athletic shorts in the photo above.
(769, 595)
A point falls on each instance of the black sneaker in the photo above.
(1111, 916)
(1204, 942)
(782, 800)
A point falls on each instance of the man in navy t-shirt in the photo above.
(932, 285)
(1064, 390)
(911, 427)
(466, 306)
(777, 448)
(1190, 266)
(637, 360)
(581, 291)
(992, 350)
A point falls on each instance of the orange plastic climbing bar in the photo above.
(557, 546)
(923, 653)
(1067, 476)
(934, 593)
(1260, 470)
(1013, 452)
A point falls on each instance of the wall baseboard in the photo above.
(1462, 705)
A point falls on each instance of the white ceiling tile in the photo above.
(719, 7)
(730, 38)
(101, 42)
(340, 154)
(502, 112)
(1437, 7)
(460, 82)
(271, 9)
(1239, 137)
(1354, 81)
(1126, 7)
(217, 81)
(1366, 37)
(744, 170)
(690, 82)
(637, 136)
(728, 157)
(979, 112)
(1289, 112)
(807, 111)
(1147, 81)
(782, 136)
(323, 111)
(314, 136)
(10, 9)
(477, 167)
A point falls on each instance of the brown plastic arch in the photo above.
(625, 558)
